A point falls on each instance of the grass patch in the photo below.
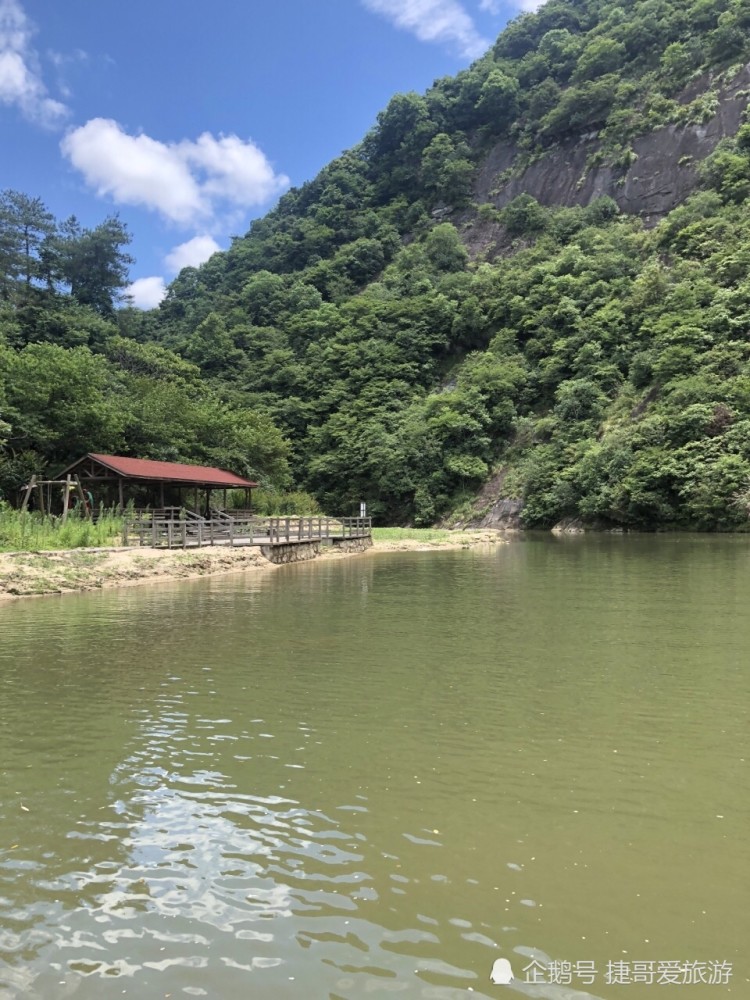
(28, 532)
(412, 534)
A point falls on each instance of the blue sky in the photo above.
(190, 119)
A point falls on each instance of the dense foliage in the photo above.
(605, 367)
(70, 382)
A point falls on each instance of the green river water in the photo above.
(379, 774)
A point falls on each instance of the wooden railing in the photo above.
(159, 530)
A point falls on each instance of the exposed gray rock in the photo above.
(352, 544)
(492, 509)
(663, 175)
(569, 526)
(503, 514)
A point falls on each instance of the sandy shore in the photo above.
(28, 574)
(455, 540)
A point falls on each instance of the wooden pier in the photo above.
(172, 529)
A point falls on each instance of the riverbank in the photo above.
(30, 574)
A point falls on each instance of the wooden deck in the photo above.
(162, 529)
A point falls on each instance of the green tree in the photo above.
(444, 249)
(93, 263)
(498, 100)
(25, 226)
(61, 402)
(601, 56)
(211, 347)
(524, 216)
(446, 170)
(677, 63)
(560, 49)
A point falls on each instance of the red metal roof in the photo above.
(195, 475)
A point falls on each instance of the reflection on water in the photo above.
(378, 775)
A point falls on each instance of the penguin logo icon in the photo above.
(501, 974)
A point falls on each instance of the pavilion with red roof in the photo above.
(160, 480)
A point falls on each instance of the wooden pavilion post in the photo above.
(161, 493)
(197, 503)
(121, 493)
(224, 501)
(66, 499)
(87, 512)
(27, 496)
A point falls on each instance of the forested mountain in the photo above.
(536, 274)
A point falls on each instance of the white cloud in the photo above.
(191, 254)
(134, 170)
(21, 82)
(186, 182)
(234, 170)
(495, 6)
(434, 21)
(63, 62)
(146, 293)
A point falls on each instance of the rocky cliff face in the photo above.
(663, 174)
